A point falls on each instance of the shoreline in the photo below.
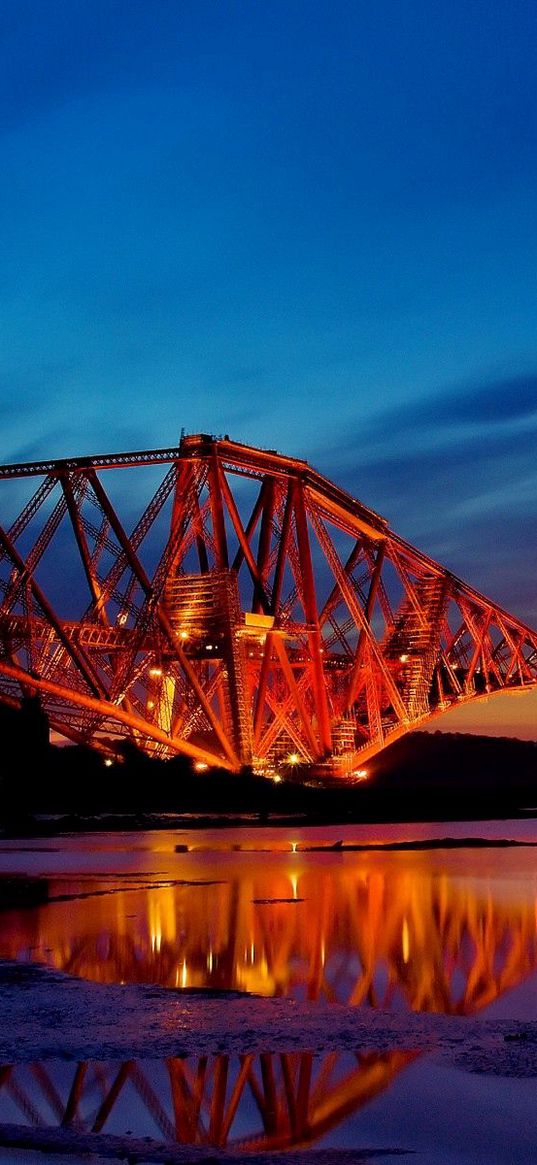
(58, 825)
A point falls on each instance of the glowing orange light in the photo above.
(405, 941)
(200, 766)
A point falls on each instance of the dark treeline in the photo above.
(423, 776)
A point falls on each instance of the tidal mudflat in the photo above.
(320, 993)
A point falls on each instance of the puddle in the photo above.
(365, 1102)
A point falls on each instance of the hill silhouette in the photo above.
(424, 776)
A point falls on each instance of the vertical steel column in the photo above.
(265, 537)
(368, 611)
(217, 513)
(83, 549)
(310, 605)
(274, 605)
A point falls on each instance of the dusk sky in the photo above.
(309, 225)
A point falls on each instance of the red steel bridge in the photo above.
(246, 611)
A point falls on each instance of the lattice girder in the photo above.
(254, 614)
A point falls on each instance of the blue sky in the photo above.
(310, 225)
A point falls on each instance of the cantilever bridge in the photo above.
(251, 612)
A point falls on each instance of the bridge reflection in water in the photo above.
(399, 930)
(407, 930)
(258, 1102)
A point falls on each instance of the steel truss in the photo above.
(252, 613)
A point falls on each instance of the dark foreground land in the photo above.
(423, 777)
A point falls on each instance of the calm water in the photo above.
(443, 930)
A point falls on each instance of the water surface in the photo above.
(271, 912)
(266, 911)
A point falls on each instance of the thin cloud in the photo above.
(499, 401)
(458, 477)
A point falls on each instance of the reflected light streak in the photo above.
(405, 941)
